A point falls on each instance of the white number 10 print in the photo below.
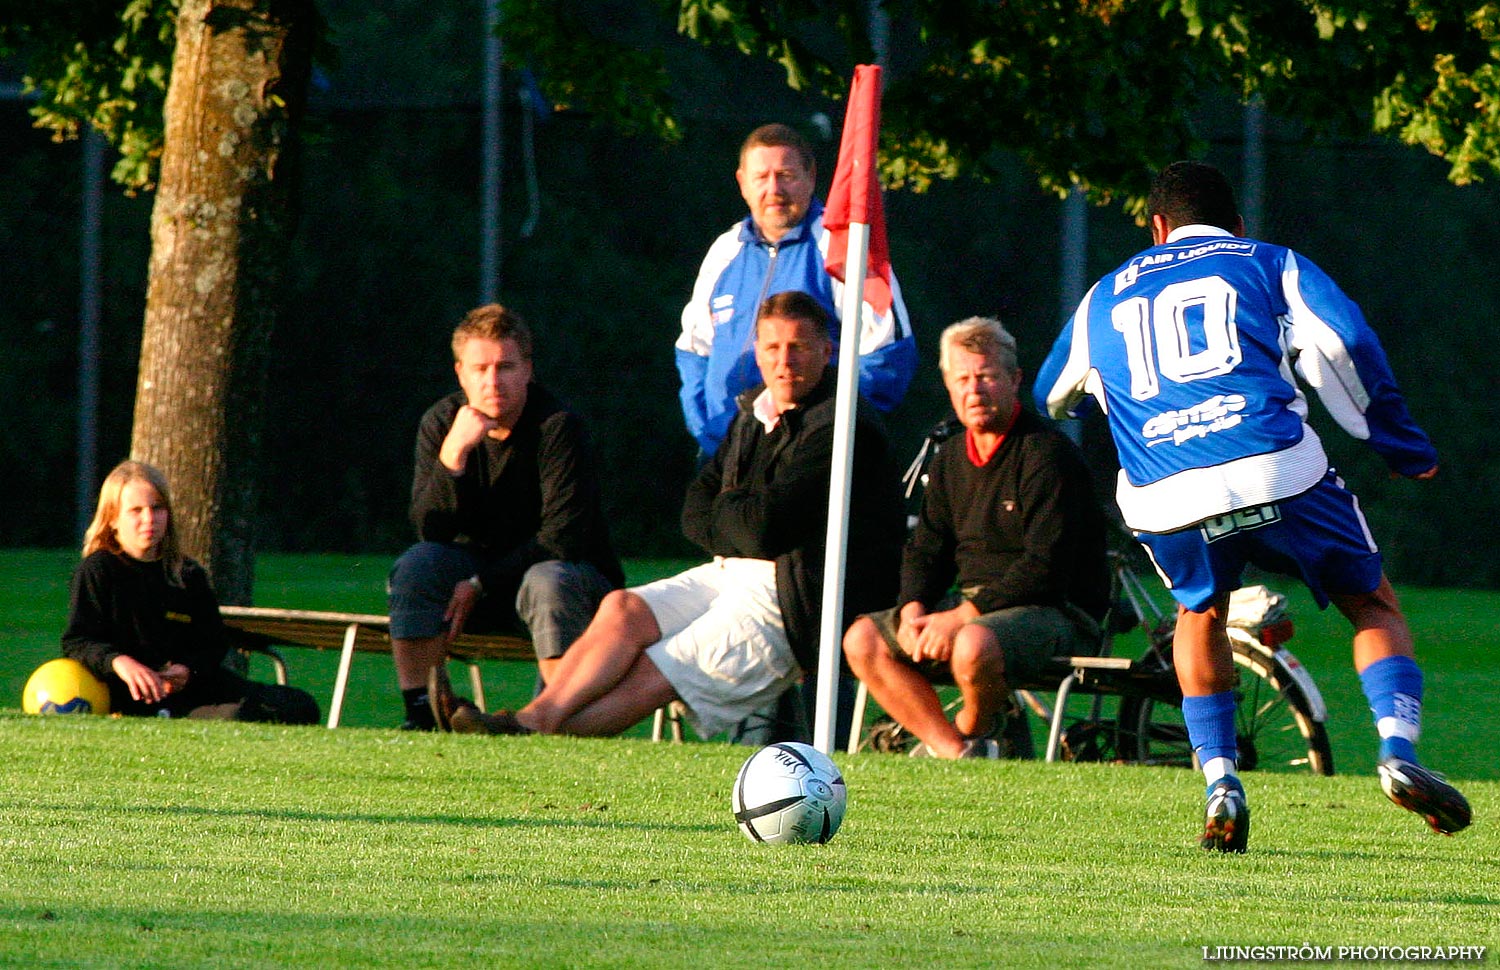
(1165, 319)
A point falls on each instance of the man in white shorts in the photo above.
(730, 636)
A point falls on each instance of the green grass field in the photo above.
(144, 843)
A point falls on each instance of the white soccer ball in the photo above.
(789, 792)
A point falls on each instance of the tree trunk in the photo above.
(224, 213)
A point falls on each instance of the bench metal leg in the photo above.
(341, 682)
(476, 682)
(1059, 708)
(277, 662)
(857, 722)
(664, 716)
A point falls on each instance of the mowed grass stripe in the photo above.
(179, 844)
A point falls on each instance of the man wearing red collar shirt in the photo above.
(1006, 567)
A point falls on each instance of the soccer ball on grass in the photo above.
(789, 792)
(64, 686)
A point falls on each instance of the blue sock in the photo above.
(1393, 686)
(1210, 725)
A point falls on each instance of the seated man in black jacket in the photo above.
(728, 637)
(1009, 520)
(505, 499)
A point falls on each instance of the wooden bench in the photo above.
(261, 629)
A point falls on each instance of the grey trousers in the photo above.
(553, 603)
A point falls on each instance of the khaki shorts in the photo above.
(1030, 636)
(723, 648)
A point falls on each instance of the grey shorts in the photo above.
(552, 605)
(1030, 636)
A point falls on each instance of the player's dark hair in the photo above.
(1193, 193)
(779, 136)
(796, 305)
(492, 322)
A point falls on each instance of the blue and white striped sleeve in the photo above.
(1064, 379)
(1341, 359)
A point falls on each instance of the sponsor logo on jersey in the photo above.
(721, 308)
(1218, 413)
(1245, 519)
(1152, 262)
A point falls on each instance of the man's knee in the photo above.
(863, 644)
(420, 585)
(623, 605)
(556, 600)
(977, 653)
(555, 584)
(419, 566)
(1378, 607)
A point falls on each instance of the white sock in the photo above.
(1216, 768)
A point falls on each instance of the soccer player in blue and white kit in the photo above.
(1192, 348)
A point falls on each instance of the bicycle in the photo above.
(1280, 716)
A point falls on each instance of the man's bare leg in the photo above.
(900, 689)
(1201, 651)
(596, 663)
(979, 670)
(639, 693)
(1380, 629)
(415, 657)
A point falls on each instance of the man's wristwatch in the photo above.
(474, 582)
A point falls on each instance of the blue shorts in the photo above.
(1319, 537)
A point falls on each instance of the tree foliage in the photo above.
(1089, 93)
(98, 63)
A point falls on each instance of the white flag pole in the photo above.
(831, 631)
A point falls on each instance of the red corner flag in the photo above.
(855, 195)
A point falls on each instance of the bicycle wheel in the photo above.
(1278, 718)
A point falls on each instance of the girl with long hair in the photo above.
(144, 619)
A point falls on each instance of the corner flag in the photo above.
(855, 220)
(855, 194)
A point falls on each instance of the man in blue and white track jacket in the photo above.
(781, 245)
(1193, 349)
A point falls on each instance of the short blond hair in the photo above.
(492, 322)
(979, 335)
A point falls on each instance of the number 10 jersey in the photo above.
(1193, 349)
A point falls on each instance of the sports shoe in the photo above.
(442, 700)
(981, 748)
(471, 720)
(973, 748)
(1418, 790)
(1226, 823)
